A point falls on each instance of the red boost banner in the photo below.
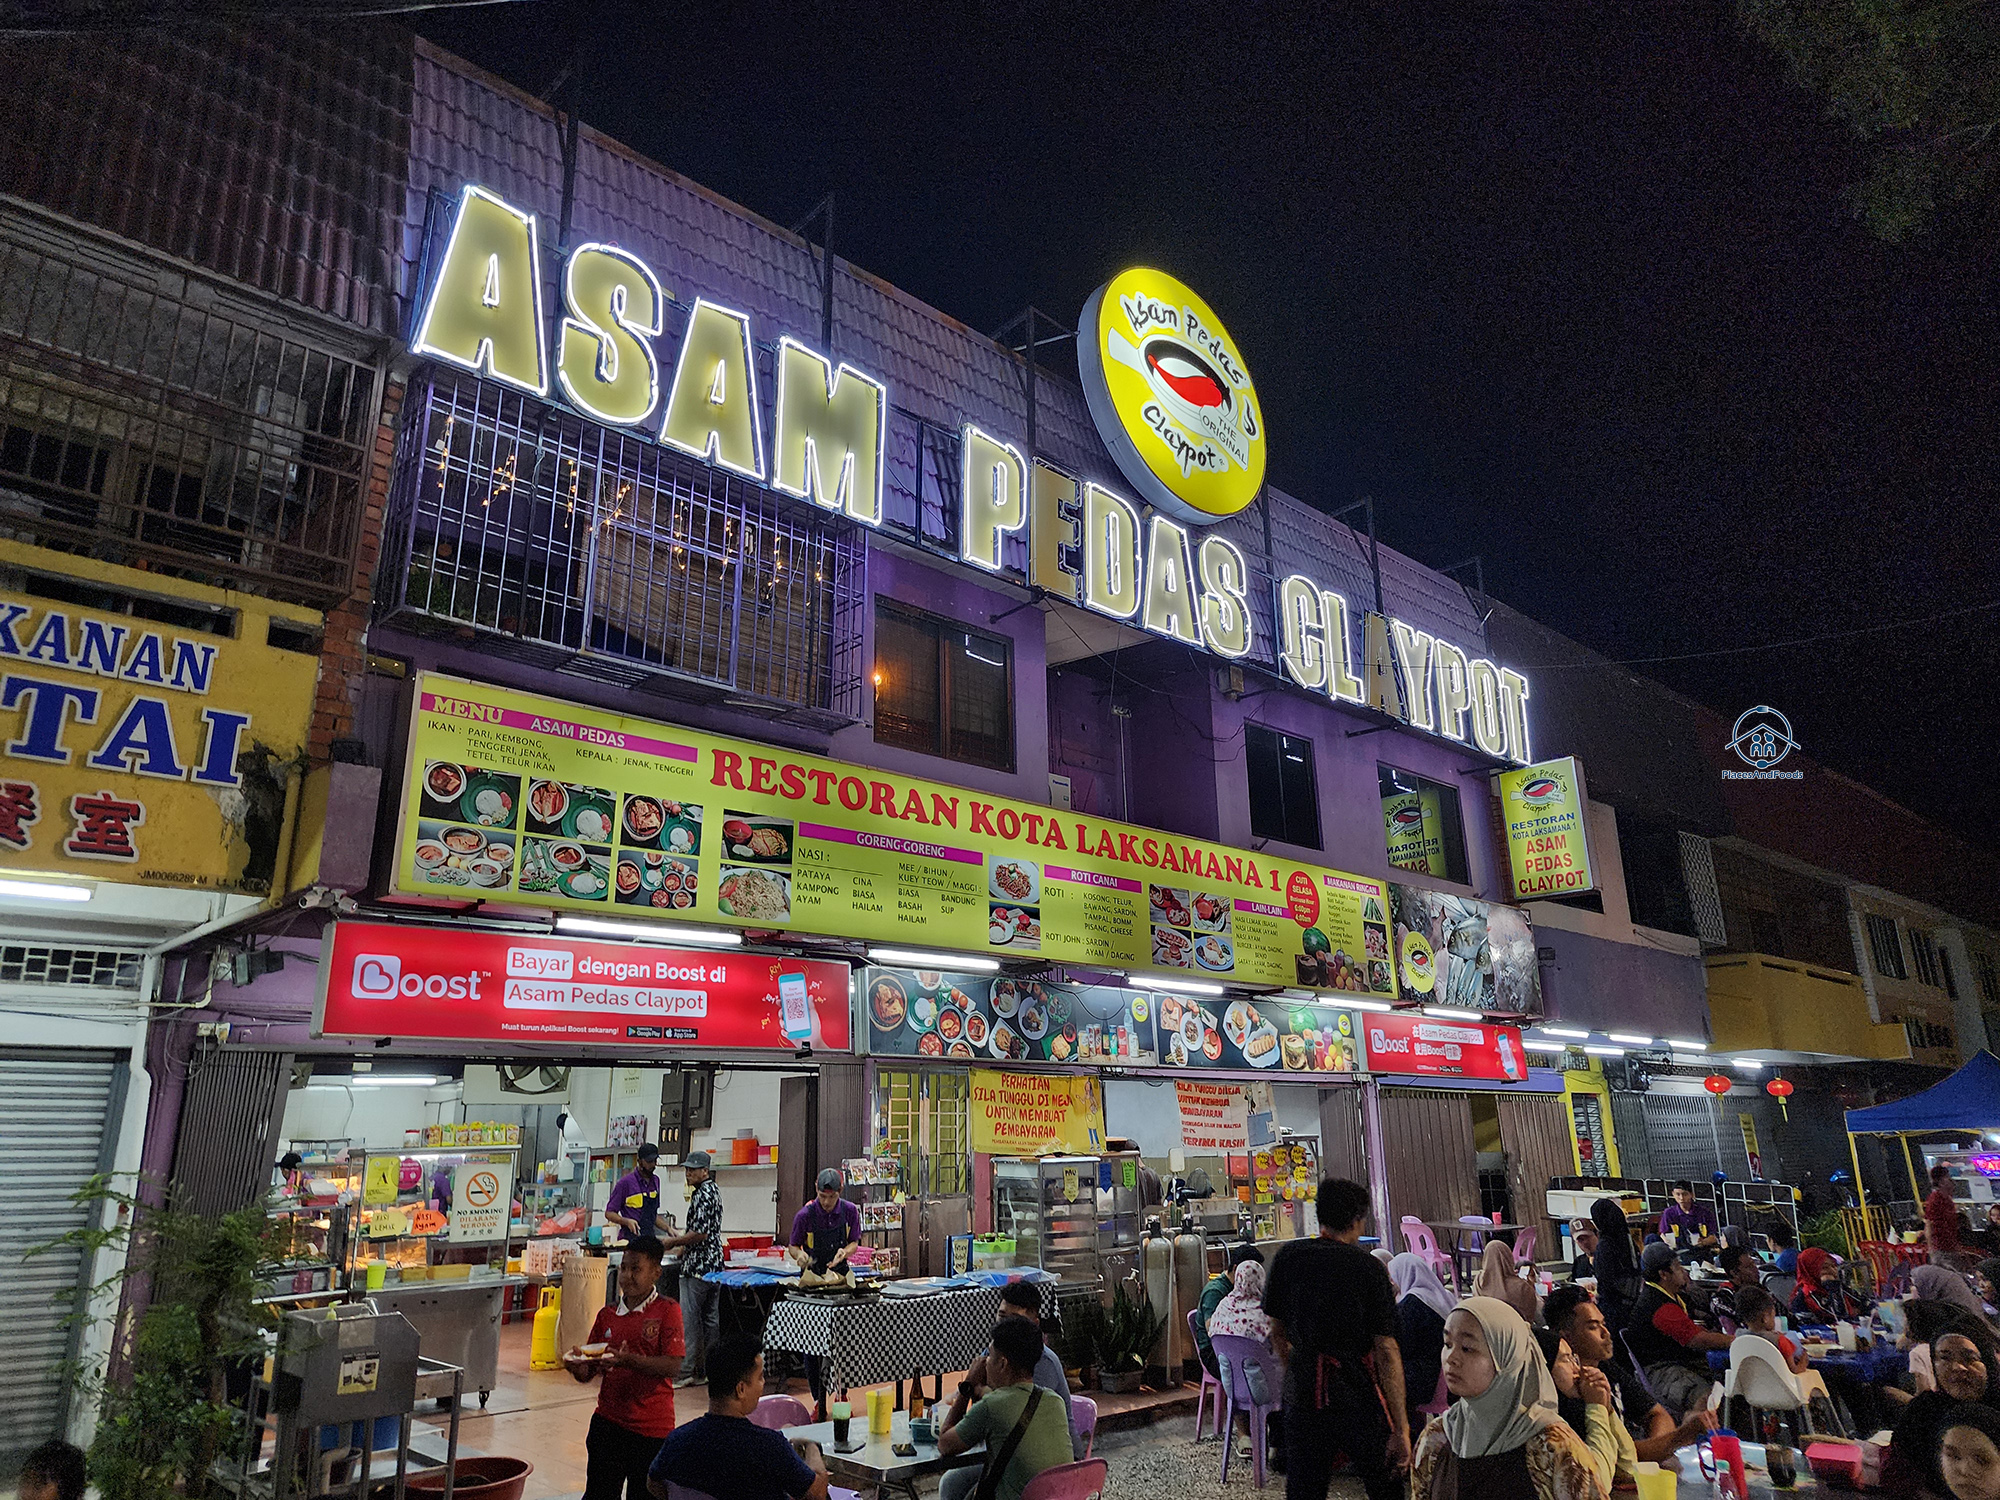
(380, 979)
(1423, 1045)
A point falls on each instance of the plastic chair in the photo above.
(780, 1412)
(1758, 1374)
(1208, 1383)
(1083, 1414)
(1420, 1242)
(1083, 1480)
(1236, 1356)
(1524, 1247)
(1436, 1405)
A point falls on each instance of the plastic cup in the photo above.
(881, 1408)
(378, 1274)
(1654, 1482)
(842, 1413)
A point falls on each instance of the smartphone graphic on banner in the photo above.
(795, 1007)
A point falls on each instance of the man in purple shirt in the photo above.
(825, 1229)
(829, 1226)
(1695, 1221)
(635, 1197)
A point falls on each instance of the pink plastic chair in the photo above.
(1524, 1247)
(1419, 1241)
(1083, 1480)
(1236, 1356)
(780, 1412)
(1083, 1412)
(1436, 1405)
(1208, 1384)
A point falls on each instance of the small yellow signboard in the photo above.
(1548, 844)
(1032, 1114)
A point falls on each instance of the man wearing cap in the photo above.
(701, 1253)
(1670, 1348)
(635, 1199)
(827, 1227)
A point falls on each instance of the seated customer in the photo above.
(1584, 1401)
(1740, 1269)
(1219, 1286)
(725, 1454)
(1672, 1349)
(1784, 1247)
(1820, 1297)
(1422, 1305)
(1020, 1423)
(1023, 1300)
(1583, 1234)
(1655, 1436)
(1757, 1312)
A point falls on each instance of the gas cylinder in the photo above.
(1190, 1275)
(542, 1351)
(1159, 1263)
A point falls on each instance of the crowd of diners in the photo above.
(1505, 1393)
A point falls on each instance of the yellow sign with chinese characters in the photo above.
(1171, 396)
(150, 729)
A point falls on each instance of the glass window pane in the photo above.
(906, 682)
(1284, 793)
(1421, 824)
(980, 675)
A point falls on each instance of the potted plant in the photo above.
(1078, 1334)
(1131, 1328)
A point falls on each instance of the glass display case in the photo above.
(1121, 1214)
(1050, 1210)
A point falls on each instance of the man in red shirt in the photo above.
(1941, 1215)
(641, 1349)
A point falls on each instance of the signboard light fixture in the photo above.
(1542, 1044)
(1682, 1044)
(1596, 1051)
(1451, 1012)
(42, 890)
(1569, 1031)
(650, 932)
(1348, 1002)
(919, 958)
(1747, 1064)
(1629, 1039)
(1179, 986)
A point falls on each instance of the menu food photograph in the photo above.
(929, 1013)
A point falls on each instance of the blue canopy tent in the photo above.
(1969, 1100)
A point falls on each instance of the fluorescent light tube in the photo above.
(651, 932)
(923, 959)
(43, 890)
(1629, 1040)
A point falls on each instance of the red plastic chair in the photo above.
(1236, 1356)
(1208, 1384)
(1083, 1480)
(780, 1412)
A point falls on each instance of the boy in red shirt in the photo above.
(643, 1350)
(1757, 1312)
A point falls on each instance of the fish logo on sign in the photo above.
(1408, 817)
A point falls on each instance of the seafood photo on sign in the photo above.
(450, 792)
(1483, 955)
(463, 854)
(650, 878)
(753, 839)
(1010, 1019)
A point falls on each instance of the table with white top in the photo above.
(874, 1464)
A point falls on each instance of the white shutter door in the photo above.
(54, 1106)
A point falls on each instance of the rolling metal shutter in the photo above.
(54, 1106)
(1534, 1131)
(1427, 1140)
(231, 1113)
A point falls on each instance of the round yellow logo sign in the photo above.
(1171, 396)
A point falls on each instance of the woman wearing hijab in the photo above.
(1422, 1305)
(1501, 1439)
(1969, 1453)
(1820, 1297)
(1618, 1281)
(1967, 1370)
(1584, 1402)
(1986, 1282)
(1942, 1284)
(1499, 1279)
(1241, 1314)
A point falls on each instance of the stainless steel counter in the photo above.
(457, 1322)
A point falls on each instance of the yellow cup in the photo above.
(1654, 1482)
(378, 1275)
(881, 1407)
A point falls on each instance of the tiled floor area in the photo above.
(543, 1416)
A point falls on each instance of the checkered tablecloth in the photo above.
(891, 1338)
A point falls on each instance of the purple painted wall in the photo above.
(1609, 986)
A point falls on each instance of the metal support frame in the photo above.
(823, 258)
(1366, 505)
(1030, 320)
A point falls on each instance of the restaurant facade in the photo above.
(752, 711)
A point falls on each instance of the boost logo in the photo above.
(1171, 397)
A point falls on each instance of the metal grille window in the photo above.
(1989, 980)
(150, 418)
(1925, 954)
(597, 553)
(1284, 794)
(1887, 945)
(92, 968)
(1421, 824)
(943, 689)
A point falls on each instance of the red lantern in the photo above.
(1718, 1083)
(1781, 1090)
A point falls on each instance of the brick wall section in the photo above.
(344, 655)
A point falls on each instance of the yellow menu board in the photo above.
(533, 801)
(1033, 1114)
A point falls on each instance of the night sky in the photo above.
(1573, 288)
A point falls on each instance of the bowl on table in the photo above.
(923, 1430)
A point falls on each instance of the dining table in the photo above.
(871, 1460)
(1465, 1241)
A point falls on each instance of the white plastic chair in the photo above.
(1758, 1374)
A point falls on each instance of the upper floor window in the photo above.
(1421, 824)
(1989, 980)
(1284, 792)
(943, 689)
(1887, 945)
(1928, 960)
